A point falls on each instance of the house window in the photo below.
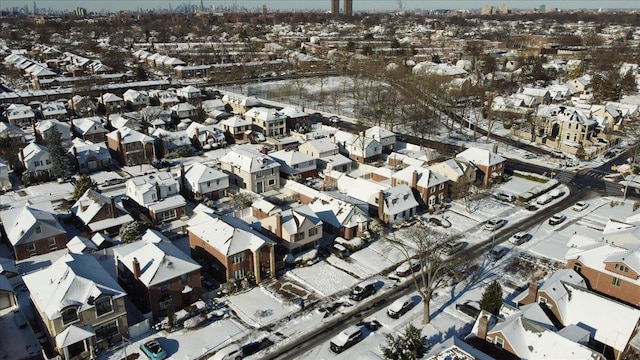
(237, 258)
(272, 182)
(107, 210)
(441, 186)
(239, 274)
(165, 302)
(48, 162)
(38, 229)
(577, 268)
(103, 306)
(208, 183)
(313, 231)
(69, 315)
(184, 279)
(298, 236)
(542, 300)
(616, 281)
(31, 247)
(622, 268)
(499, 342)
(154, 197)
(52, 243)
(107, 330)
(167, 215)
(432, 189)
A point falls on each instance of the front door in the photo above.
(259, 187)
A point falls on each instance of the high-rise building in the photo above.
(348, 7)
(335, 7)
(543, 9)
(503, 9)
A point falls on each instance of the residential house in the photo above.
(385, 137)
(99, 213)
(90, 128)
(206, 136)
(54, 110)
(297, 229)
(200, 179)
(82, 105)
(461, 176)
(319, 148)
(234, 250)
(33, 229)
(624, 234)
(82, 245)
(431, 186)
(337, 162)
(112, 103)
(157, 275)
(79, 304)
(455, 348)
(164, 98)
(5, 182)
(89, 157)
(236, 126)
(240, 104)
(20, 115)
(542, 96)
(270, 122)
(130, 146)
(159, 193)
(250, 169)
(580, 85)
(7, 294)
(295, 164)
(262, 208)
(183, 111)
(297, 120)
(340, 215)
(36, 160)
(566, 128)
(489, 165)
(135, 99)
(359, 147)
(11, 131)
(607, 269)
(189, 94)
(213, 105)
(568, 300)
(45, 127)
(172, 143)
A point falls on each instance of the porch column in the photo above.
(65, 350)
(91, 350)
(256, 265)
(272, 261)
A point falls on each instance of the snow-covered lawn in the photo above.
(259, 307)
(322, 278)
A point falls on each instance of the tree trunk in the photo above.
(426, 316)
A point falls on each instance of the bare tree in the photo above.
(430, 248)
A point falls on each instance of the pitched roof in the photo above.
(73, 280)
(426, 177)
(30, 223)
(32, 150)
(199, 173)
(293, 219)
(248, 160)
(481, 157)
(92, 202)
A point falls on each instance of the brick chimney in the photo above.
(483, 327)
(112, 205)
(182, 179)
(119, 135)
(264, 150)
(75, 152)
(381, 205)
(279, 225)
(158, 193)
(136, 269)
(495, 148)
(414, 179)
(533, 291)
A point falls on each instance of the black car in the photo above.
(161, 164)
(497, 253)
(362, 291)
(531, 207)
(468, 309)
(440, 222)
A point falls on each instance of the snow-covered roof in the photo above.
(160, 260)
(426, 177)
(564, 113)
(398, 199)
(453, 169)
(291, 157)
(80, 244)
(85, 149)
(264, 114)
(198, 173)
(130, 136)
(53, 108)
(226, 234)
(293, 112)
(249, 160)
(110, 97)
(32, 150)
(10, 130)
(293, 219)
(338, 212)
(378, 133)
(480, 156)
(322, 145)
(73, 280)
(92, 202)
(235, 121)
(89, 125)
(30, 223)
(596, 255)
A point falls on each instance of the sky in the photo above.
(358, 5)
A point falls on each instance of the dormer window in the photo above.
(69, 315)
(38, 229)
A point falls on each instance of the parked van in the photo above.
(505, 197)
(231, 352)
(400, 306)
(346, 339)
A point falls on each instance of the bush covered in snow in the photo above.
(352, 245)
(305, 258)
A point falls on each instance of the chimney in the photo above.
(112, 204)
(381, 205)
(136, 269)
(182, 179)
(495, 148)
(158, 193)
(264, 150)
(483, 327)
(75, 152)
(279, 225)
(414, 179)
(119, 135)
(533, 291)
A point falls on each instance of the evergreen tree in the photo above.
(406, 346)
(133, 231)
(60, 163)
(492, 298)
(83, 184)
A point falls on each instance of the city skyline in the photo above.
(323, 5)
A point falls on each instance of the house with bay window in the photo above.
(79, 305)
(250, 169)
(159, 193)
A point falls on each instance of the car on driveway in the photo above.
(468, 308)
(557, 219)
(556, 193)
(400, 306)
(362, 291)
(531, 207)
(455, 247)
(439, 222)
(339, 250)
(494, 224)
(579, 206)
(153, 350)
(497, 253)
(520, 238)
(505, 197)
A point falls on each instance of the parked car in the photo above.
(400, 306)
(455, 247)
(408, 268)
(439, 222)
(557, 219)
(556, 193)
(531, 207)
(505, 197)
(520, 238)
(497, 253)
(153, 350)
(346, 339)
(161, 164)
(544, 199)
(362, 291)
(579, 206)
(231, 352)
(468, 308)
(334, 119)
(114, 181)
(495, 224)
(339, 250)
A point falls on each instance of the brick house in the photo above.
(234, 250)
(89, 128)
(131, 147)
(157, 275)
(490, 166)
(250, 169)
(297, 229)
(461, 176)
(88, 156)
(100, 213)
(431, 186)
(33, 230)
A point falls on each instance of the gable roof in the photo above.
(293, 219)
(198, 173)
(426, 177)
(480, 156)
(21, 224)
(91, 203)
(32, 150)
(73, 280)
(248, 160)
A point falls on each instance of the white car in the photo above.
(495, 224)
(580, 205)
